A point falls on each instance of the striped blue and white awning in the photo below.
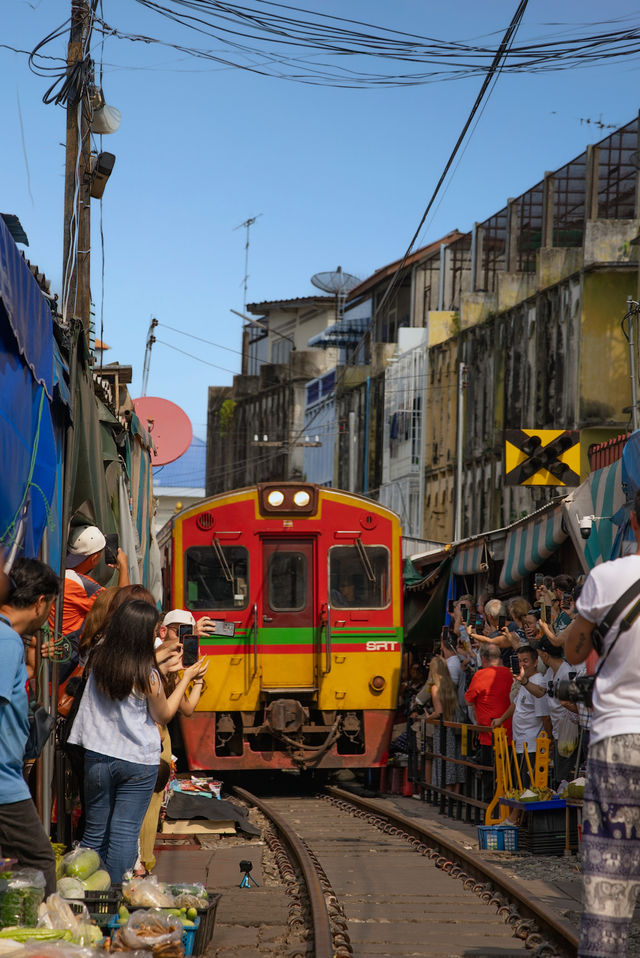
(530, 542)
(600, 495)
(470, 558)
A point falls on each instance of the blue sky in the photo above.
(339, 176)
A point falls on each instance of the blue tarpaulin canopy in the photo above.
(27, 446)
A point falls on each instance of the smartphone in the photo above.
(547, 611)
(220, 627)
(479, 623)
(566, 601)
(184, 630)
(539, 579)
(112, 545)
(464, 612)
(515, 666)
(450, 605)
(444, 634)
(190, 650)
(502, 621)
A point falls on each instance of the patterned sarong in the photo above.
(610, 845)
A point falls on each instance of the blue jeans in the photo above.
(117, 794)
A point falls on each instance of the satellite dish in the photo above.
(169, 425)
(339, 284)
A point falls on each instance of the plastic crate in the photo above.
(498, 838)
(100, 904)
(207, 918)
(188, 934)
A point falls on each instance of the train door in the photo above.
(286, 621)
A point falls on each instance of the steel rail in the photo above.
(323, 943)
(512, 888)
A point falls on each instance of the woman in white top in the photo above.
(116, 725)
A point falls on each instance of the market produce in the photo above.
(99, 881)
(70, 888)
(20, 894)
(81, 863)
(36, 934)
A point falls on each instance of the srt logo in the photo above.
(382, 646)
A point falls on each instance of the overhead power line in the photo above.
(492, 74)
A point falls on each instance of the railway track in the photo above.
(364, 880)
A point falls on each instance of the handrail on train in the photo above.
(328, 641)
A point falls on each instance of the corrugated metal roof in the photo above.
(258, 308)
(390, 269)
(188, 471)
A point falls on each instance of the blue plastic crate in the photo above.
(188, 935)
(498, 838)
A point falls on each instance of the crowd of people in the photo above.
(124, 680)
(498, 663)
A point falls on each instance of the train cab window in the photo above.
(217, 578)
(287, 581)
(359, 577)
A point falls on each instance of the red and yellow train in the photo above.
(305, 585)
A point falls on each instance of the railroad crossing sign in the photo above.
(541, 457)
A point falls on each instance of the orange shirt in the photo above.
(489, 694)
(79, 595)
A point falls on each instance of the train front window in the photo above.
(217, 578)
(287, 579)
(359, 577)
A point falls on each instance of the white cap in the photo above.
(84, 541)
(179, 617)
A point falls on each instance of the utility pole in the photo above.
(76, 279)
(462, 385)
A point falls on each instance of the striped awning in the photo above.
(600, 495)
(530, 542)
(470, 558)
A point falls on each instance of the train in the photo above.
(304, 587)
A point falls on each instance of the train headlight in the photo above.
(377, 683)
(275, 498)
(302, 498)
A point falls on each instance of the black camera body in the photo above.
(577, 688)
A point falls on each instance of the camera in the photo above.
(585, 525)
(574, 689)
(245, 866)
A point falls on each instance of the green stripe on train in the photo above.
(306, 637)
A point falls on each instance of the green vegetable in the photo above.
(123, 913)
(19, 906)
(83, 864)
(70, 888)
(99, 881)
(36, 934)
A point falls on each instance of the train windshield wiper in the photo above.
(366, 564)
(226, 571)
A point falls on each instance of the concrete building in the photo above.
(256, 429)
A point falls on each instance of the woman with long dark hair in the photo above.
(116, 724)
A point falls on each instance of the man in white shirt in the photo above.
(611, 815)
(530, 712)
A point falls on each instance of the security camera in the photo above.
(585, 525)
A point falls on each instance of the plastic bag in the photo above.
(56, 949)
(81, 863)
(20, 896)
(568, 733)
(147, 893)
(148, 930)
(189, 895)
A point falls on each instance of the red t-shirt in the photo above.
(489, 694)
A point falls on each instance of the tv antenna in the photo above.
(339, 284)
(247, 225)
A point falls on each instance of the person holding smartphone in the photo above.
(176, 649)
